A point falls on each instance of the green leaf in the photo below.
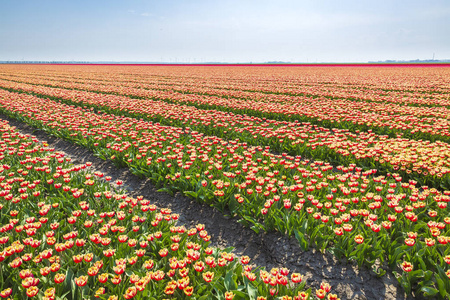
(229, 282)
(441, 271)
(429, 291)
(252, 292)
(73, 287)
(379, 271)
(361, 250)
(404, 282)
(68, 281)
(414, 275)
(166, 190)
(441, 286)
(427, 275)
(250, 220)
(338, 252)
(301, 240)
(63, 296)
(422, 263)
(255, 229)
(191, 194)
(220, 292)
(400, 250)
(233, 206)
(304, 226)
(201, 288)
(240, 295)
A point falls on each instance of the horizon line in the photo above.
(270, 63)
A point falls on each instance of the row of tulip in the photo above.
(68, 234)
(429, 123)
(428, 163)
(419, 86)
(432, 114)
(353, 214)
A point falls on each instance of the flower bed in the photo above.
(67, 234)
(351, 212)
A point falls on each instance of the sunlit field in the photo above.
(349, 160)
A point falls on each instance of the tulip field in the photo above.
(349, 160)
(66, 234)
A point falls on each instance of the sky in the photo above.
(198, 31)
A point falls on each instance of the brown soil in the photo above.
(266, 249)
